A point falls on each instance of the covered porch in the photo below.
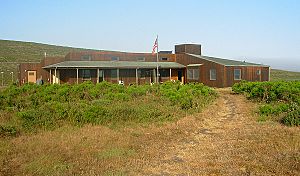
(122, 72)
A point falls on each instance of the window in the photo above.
(142, 73)
(86, 58)
(114, 73)
(140, 59)
(86, 74)
(114, 58)
(164, 59)
(193, 73)
(237, 74)
(164, 73)
(258, 72)
(212, 74)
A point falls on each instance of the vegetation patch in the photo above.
(31, 107)
(279, 99)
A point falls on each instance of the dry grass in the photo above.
(225, 139)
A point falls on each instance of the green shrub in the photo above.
(278, 98)
(292, 118)
(49, 106)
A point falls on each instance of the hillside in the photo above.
(279, 75)
(17, 51)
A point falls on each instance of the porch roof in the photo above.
(114, 64)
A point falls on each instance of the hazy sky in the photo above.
(262, 31)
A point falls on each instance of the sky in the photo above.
(260, 31)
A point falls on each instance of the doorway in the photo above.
(180, 75)
(31, 76)
(101, 75)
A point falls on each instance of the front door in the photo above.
(31, 76)
(180, 75)
(101, 75)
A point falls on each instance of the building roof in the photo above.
(227, 62)
(114, 64)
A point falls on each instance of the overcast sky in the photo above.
(262, 31)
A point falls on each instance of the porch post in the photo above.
(170, 74)
(118, 74)
(97, 75)
(55, 81)
(136, 77)
(103, 74)
(77, 75)
(155, 77)
(50, 76)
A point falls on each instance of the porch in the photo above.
(116, 72)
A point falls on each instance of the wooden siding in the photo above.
(249, 73)
(106, 56)
(204, 76)
(188, 48)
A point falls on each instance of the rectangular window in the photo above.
(141, 73)
(86, 74)
(140, 59)
(86, 58)
(237, 74)
(212, 74)
(114, 58)
(164, 59)
(193, 73)
(114, 74)
(164, 73)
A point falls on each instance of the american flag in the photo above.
(155, 46)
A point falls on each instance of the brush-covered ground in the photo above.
(170, 129)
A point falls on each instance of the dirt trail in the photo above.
(220, 141)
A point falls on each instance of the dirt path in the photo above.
(223, 140)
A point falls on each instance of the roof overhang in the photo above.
(113, 64)
(194, 65)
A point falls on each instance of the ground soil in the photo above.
(225, 139)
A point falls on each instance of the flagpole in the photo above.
(157, 73)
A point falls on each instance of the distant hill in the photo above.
(14, 52)
(278, 75)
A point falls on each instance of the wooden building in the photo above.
(186, 65)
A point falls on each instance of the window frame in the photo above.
(234, 74)
(86, 57)
(85, 72)
(141, 59)
(258, 72)
(141, 73)
(210, 74)
(193, 71)
(116, 74)
(115, 58)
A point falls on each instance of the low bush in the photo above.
(47, 107)
(279, 98)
